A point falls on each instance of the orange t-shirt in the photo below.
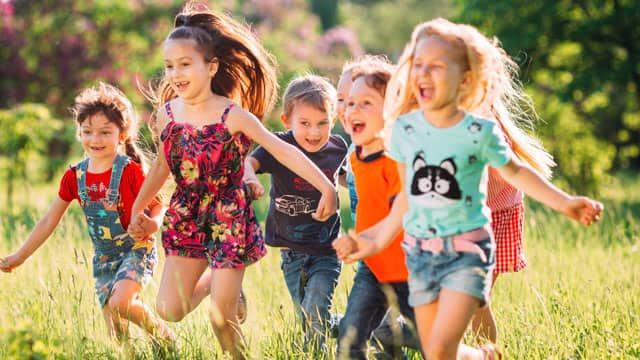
(377, 184)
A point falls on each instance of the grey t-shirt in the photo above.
(293, 199)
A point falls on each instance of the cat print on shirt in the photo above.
(435, 186)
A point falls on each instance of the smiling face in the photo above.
(344, 86)
(100, 137)
(311, 127)
(364, 113)
(436, 77)
(188, 73)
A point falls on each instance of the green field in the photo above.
(578, 299)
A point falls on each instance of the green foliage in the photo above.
(583, 52)
(30, 133)
(24, 341)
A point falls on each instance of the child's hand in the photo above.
(365, 247)
(344, 246)
(583, 209)
(255, 187)
(10, 262)
(327, 206)
(141, 227)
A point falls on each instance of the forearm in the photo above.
(40, 233)
(387, 229)
(533, 184)
(295, 160)
(150, 187)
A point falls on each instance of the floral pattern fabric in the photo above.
(209, 214)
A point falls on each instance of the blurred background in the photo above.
(579, 61)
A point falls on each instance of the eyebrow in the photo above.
(180, 58)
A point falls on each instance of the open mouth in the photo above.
(313, 142)
(426, 92)
(181, 85)
(357, 127)
(96, 148)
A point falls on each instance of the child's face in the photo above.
(311, 127)
(344, 86)
(436, 76)
(186, 69)
(99, 137)
(364, 113)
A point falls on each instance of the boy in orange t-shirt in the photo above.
(382, 279)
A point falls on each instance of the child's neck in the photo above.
(444, 117)
(101, 164)
(372, 147)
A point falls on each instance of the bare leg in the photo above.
(224, 307)
(203, 289)
(179, 279)
(442, 324)
(484, 324)
(117, 327)
(126, 303)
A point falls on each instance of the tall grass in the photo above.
(578, 299)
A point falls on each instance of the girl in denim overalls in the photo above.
(443, 153)
(105, 184)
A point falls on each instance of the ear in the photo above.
(285, 120)
(449, 165)
(213, 67)
(419, 162)
(467, 81)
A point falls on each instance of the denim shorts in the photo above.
(464, 272)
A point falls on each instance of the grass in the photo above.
(578, 299)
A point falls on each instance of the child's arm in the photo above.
(38, 236)
(290, 156)
(374, 239)
(155, 179)
(251, 165)
(579, 208)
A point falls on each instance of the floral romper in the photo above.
(117, 255)
(209, 215)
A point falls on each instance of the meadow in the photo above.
(578, 299)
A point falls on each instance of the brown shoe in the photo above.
(242, 308)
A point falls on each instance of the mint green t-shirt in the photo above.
(446, 172)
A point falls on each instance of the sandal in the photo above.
(491, 352)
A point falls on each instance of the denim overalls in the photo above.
(117, 255)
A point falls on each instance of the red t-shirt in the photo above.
(97, 184)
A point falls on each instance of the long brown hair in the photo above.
(114, 105)
(246, 71)
(494, 92)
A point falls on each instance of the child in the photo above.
(377, 185)
(211, 63)
(309, 264)
(105, 184)
(448, 244)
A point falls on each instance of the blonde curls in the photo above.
(494, 91)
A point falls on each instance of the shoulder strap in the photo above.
(81, 178)
(167, 108)
(226, 111)
(116, 175)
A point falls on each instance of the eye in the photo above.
(305, 123)
(106, 133)
(350, 103)
(168, 67)
(424, 184)
(86, 132)
(442, 186)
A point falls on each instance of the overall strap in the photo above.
(167, 108)
(116, 175)
(226, 111)
(81, 178)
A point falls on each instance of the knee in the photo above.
(223, 312)
(119, 305)
(170, 312)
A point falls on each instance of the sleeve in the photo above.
(395, 149)
(393, 181)
(266, 160)
(496, 150)
(68, 185)
(132, 178)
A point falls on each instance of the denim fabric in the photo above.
(311, 280)
(460, 271)
(366, 307)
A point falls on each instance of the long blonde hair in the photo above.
(246, 72)
(494, 91)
